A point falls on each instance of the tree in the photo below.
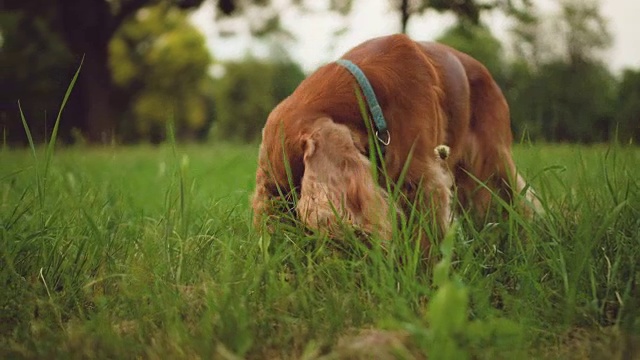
(576, 101)
(32, 67)
(86, 27)
(569, 94)
(246, 94)
(527, 38)
(159, 62)
(479, 42)
(465, 10)
(628, 107)
(583, 30)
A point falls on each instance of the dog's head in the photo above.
(338, 187)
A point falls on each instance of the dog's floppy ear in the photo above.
(260, 201)
(270, 200)
(337, 187)
(308, 146)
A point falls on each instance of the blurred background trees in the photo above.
(568, 93)
(249, 90)
(44, 41)
(159, 64)
(83, 28)
(478, 41)
(466, 11)
(627, 108)
(145, 64)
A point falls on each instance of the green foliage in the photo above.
(449, 306)
(42, 43)
(627, 109)
(247, 92)
(564, 102)
(34, 67)
(451, 330)
(479, 42)
(560, 91)
(160, 63)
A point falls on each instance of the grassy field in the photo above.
(148, 252)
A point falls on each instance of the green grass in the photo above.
(148, 252)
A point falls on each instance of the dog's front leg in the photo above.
(428, 205)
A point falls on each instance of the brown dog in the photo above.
(430, 95)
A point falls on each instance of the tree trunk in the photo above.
(404, 15)
(95, 82)
(87, 26)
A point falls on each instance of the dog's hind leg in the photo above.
(487, 169)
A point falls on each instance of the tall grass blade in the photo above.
(32, 146)
(54, 133)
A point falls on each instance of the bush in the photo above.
(246, 94)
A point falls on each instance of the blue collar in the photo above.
(382, 133)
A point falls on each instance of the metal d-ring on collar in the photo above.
(382, 132)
